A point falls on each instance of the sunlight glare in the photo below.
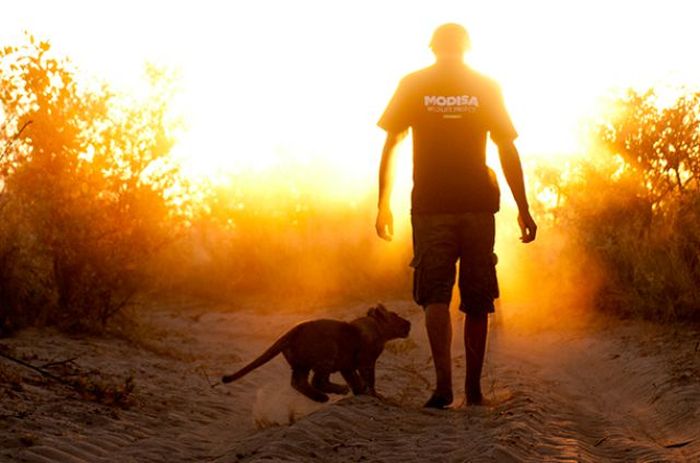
(306, 84)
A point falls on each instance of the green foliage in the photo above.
(634, 206)
(84, 175)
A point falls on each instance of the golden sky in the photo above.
(271, 81)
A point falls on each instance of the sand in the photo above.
(622, 391)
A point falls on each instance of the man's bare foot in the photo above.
(439, 400)
(474, 396)
(495, 399)
(476, 399)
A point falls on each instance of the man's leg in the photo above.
(439, 327)
(435, 251)
(475, 330)
(479, 288)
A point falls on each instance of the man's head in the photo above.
(450, 41)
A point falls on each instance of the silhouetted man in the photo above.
(451, 109)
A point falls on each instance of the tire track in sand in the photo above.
(576, 396)
(627, 392)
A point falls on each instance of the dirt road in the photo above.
(617, 392)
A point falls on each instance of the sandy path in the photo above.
(629, 392)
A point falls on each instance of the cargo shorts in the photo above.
(439, 242)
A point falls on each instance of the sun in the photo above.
(305, 86)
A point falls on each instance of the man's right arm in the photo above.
(385, 219)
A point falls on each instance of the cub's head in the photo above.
(391, 324)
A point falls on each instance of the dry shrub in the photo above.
(91, 223)
(84, 175)
(267, 244)
(633, 206)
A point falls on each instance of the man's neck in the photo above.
(450, 60)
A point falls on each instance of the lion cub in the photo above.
(327, 346)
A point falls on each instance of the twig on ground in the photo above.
(203, 372)
(19, 415)
(678, 445)
(39, 370)
(413, 371)
(86, 388)
(58, 362)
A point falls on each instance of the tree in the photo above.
(633, 207)
(86, 174)
(661, 145)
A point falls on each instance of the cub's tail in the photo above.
(266, 356)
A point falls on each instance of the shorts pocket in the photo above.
(416, 261)
(417, 285)
(417, 277)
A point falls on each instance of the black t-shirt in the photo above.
(450, 109)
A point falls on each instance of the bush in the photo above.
(85, 175)
(265, 239)
(634, 206)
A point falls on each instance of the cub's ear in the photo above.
(379, 312)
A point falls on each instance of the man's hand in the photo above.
(528, 227)
(385, 224)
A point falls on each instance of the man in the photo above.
(451, 109)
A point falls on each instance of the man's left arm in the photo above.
(513, 171)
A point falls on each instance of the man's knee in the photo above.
(437, 307)
(480, 306)
(437, 316)
(476, 317)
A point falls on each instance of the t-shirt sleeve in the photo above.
(397, 115)
(500, 126)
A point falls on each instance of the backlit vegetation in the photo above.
(84, 175)
(633, 207)
(96, 216)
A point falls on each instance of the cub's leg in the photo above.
(322, 382)
(353, 380)
(300, 382)
(367, 375)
